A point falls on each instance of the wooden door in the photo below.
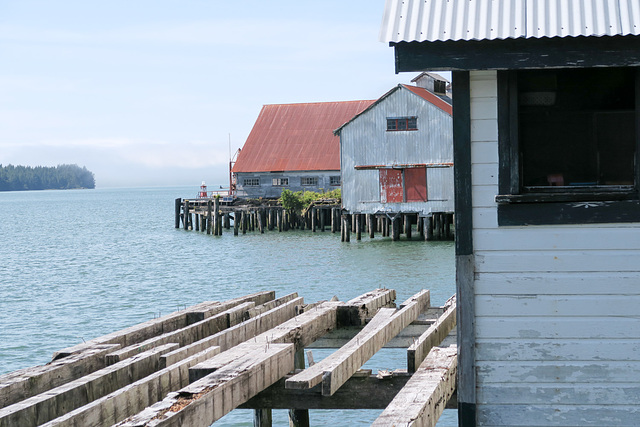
(391, 190)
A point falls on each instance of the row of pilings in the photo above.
(209, 216)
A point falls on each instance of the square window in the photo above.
(309, 180)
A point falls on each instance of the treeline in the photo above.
(61, 177)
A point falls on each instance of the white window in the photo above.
(308, 180)
(251, 182)
(280, 182)
(334, 180)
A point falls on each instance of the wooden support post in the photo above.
(236, 222)
(177, 211)
(407, 225)
(448, 221)
(243, 222)
(420, 227)
(323, 213)
(185, 214)
(395, 228)
(313, 220)
(262, 417)
(422, 400)
(261, 221)
(433, 336)
(334, 370)
(217, 226)
(347, 227)
(209, 216)
(371, 226)
(429, 227)
(299, 417)
(198, 221)
(358, 228)
(334, 225)
(227, 221)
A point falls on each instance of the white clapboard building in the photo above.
(546, 112)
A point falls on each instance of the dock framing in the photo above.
(194, 366)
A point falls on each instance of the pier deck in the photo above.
(194, 366)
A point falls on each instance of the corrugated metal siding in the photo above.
(296, 137)
(433, 20)
(365, 141)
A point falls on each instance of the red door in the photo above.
(415, 184)
(391, 190)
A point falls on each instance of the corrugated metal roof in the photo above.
(296, 137)
(433, 20)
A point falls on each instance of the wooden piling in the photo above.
(177, 211)
(216, 217)
(395, 228)
(407, 225)
(299, 417)
(429, 226)
(358, 229)
(236, 222)
(209, 215)
(185, 214)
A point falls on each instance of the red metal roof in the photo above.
(296, 137)
(432, 98)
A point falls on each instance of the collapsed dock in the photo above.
(193, 366)
(213, 215)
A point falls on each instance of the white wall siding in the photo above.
(557, 307)
(366, 142)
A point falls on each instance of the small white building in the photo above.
(547, 175)
(397, 155)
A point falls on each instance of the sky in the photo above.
(161, 92)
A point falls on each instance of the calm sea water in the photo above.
(75, 265)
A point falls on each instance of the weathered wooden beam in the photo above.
(422, 400)
(167, 323)
(135, 397)
(254, 368)
(300, 330)
(188, 334)
(433, 336)
(334, 370)
(56, 402)
(250, 328)
(357, 310)
(378, 392)
(19, 385)
(263, 308)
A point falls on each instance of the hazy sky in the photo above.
(147, 92)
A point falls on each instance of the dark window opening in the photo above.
(402, 123)
(576, 128)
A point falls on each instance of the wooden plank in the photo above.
(433, 336)
(301, 330)
(187, 335)
(555, 415)
(545, 283)
(51, 404)
(558, 327)
(558, 261)
(558, 394)
(163, 324)
(131, 399)
(556, 305)
(24, 383)
(566, 372)
(422, 400)
(254, 368)
(335, 370)
(357, 310)
(270, 305)
(557, 350)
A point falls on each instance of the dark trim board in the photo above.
(521, 53)
(464, 249)
(590, 212)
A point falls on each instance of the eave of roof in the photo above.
(446, 20)
(440, 102)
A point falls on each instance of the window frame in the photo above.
(335, 180)
(280, 182)
(313, 183)
(406, 120)
(244, 182)
(548, 206)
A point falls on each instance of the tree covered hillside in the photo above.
(61, 177)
